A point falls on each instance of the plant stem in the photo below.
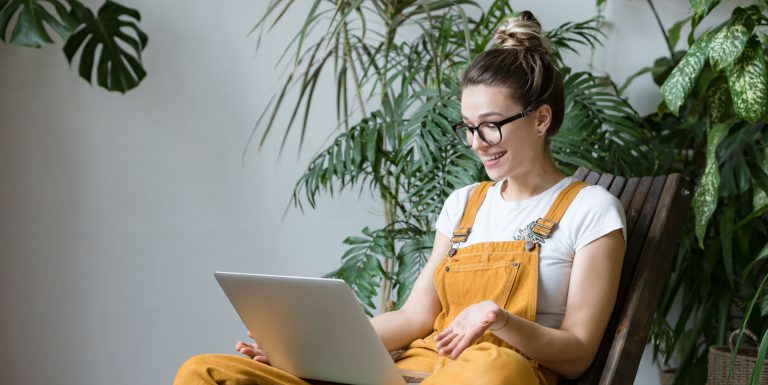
(663, 31)
(389, 264)
(386, 283)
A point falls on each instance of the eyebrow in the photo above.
(484, 115)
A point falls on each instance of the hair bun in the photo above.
(522, 33)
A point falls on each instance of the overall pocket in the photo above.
(467, 282)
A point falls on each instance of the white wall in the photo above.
(116, 209)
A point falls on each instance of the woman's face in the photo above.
(522, 141)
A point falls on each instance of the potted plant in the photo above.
(712, 128)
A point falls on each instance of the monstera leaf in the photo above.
(118, 69)
(32, 18)
(113, 29)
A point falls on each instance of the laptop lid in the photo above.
(311, 327)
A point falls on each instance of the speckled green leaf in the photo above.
(680, 82)
(747, 80)
(718, 100)
(760, 198)
(728, 44)
(705, 198)
(703, 7)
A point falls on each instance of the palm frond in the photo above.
(567, 36)
(361, 264)
(607, 127)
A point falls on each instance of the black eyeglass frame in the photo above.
(460, 128)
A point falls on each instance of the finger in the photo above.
(240, 346)
(466, 339)
(251, 349)
(247, 352)
(463, 344)
(261, 358)
(449, 348)
(251, 335)
(444, 333)
(445, 340)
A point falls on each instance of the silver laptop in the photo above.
(312, 328)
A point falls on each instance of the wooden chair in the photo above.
(655, 209)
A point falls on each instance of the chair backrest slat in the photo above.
(636, 204)
(628, 192)
(605, 180)
(581, 173)
(592, 177)
(643, 217)
(617, 186)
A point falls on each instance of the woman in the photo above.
(524, 270)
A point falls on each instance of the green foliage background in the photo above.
(405, 59)
(404, 149)
(712, 125)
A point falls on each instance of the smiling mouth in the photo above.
(493, 157)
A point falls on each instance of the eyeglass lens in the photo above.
(488, 132)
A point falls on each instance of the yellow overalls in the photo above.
(506, 273)
(503, 272)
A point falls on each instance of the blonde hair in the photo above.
(521, 62)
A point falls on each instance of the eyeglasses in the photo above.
(489, 132)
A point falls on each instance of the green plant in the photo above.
(712, 128)
(404, 60)
(112, 31)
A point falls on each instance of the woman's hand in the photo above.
(468, 326)
(251, 350)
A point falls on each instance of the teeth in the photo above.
(493, 157)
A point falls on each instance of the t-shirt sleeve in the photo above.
(599, 213)
(452, 210)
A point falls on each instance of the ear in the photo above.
(543, 118)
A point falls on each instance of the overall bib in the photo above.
(503, 272)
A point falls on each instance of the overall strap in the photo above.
(546, 225)
(461, 232)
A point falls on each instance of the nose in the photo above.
(477, 143)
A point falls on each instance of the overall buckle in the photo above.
(461, 234)
(544, 227)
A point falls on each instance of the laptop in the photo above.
(313, 328)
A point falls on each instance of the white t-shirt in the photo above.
(593, 213)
